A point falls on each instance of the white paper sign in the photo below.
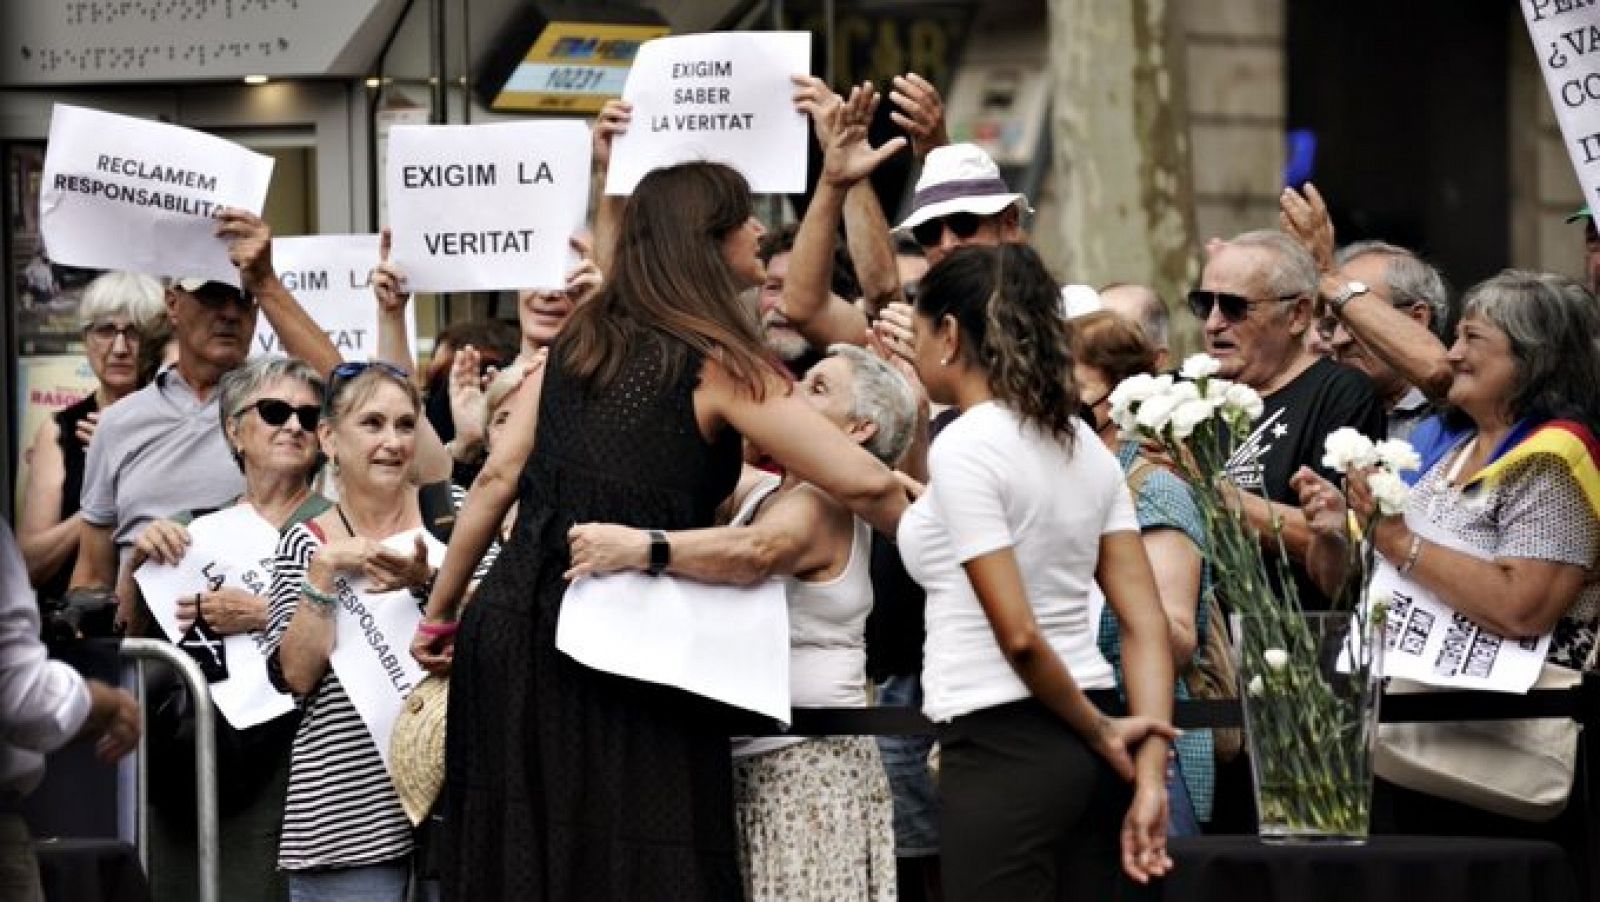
(728, 643)
(1428, 641)
(1566, 40)
(331, 277)
(131, 194)
(487, 207)
(372, 644)
(233, 547)
(726, 97)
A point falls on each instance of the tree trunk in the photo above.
(1120, 146)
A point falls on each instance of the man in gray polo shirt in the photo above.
(161, 450)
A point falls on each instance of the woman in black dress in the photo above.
(565, 783)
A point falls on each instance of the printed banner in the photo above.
(234, 548)
(1566, 38)
(725, 97)
(331, 277)
(372, 644)
(132, 194)
(728, 643)
(487, 207)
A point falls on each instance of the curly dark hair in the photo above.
(1009, 310)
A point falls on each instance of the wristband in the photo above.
(437, 630)
(318, 597)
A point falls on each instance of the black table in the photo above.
(1386, 869)
(90, 870)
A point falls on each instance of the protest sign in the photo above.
(487, 207)
(131, 194)
(725, 97)
(233, 547)
(372, 643)
(1566, 38)
(331, 277)
(728, 643)
(1428, 641)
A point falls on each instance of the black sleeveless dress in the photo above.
(74, 453)
(564, 783)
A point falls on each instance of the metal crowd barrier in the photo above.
(205, 758)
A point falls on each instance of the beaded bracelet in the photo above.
(318, 597)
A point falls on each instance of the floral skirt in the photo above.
(816, 823)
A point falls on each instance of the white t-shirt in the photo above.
(998, 483)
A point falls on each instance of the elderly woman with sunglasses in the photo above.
(118, 310)
(345, 834)
(269, 409)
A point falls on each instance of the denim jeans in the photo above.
(374, 883)
(905, 760)
(1181, 820)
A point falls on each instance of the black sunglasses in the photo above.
(353, 368)
(1235, 307)
(274, 412)
(220, 296)
(964, 225)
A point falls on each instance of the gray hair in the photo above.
(1154, 318)
(1411, 280)
(1293, 274)
(134, 295)
(881, 397)
(1553, 323)
(239, 385)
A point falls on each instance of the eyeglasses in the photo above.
(964, 225)
(275, 412)
(1235, 307)
(108, 333)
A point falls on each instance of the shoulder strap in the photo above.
(1140, 474)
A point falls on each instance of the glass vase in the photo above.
(1310, 687)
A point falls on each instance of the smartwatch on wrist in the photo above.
(660, 553)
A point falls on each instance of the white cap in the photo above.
(959, 178)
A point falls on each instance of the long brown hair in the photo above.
(669, 281)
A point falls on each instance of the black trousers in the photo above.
(1029, 811)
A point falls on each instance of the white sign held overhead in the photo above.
(726, 97)
(1566, 38)
(131, 194)
(487, 207)
(331, 277)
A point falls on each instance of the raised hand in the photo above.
(389, 280)
(613, 120)
(893, 329)
(1305, 217)
(920, 111)
(466, 395)
(814, 98)
(249, 241)
(849, 157)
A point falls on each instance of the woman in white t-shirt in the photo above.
(1025, 511)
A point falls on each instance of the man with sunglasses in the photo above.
(961, 200)
(161, 449)
(1255, 305)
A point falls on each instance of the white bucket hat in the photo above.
(959, 178)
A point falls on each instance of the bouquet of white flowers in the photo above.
(1310, 723)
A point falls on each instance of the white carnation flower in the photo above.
(1200, 366)
(1217, 390)
(1242, 400)
(1276, 658)
(1397, 456)
(1155, 413)
(1132, 390)
(1189, 415)
(1345, 449)
(1390, 491)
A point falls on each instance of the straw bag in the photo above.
(416, 749)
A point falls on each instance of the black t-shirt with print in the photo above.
(1296, 420)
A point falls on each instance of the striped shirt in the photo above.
(341, 810)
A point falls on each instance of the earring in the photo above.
(334, 464)
(944, 361)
